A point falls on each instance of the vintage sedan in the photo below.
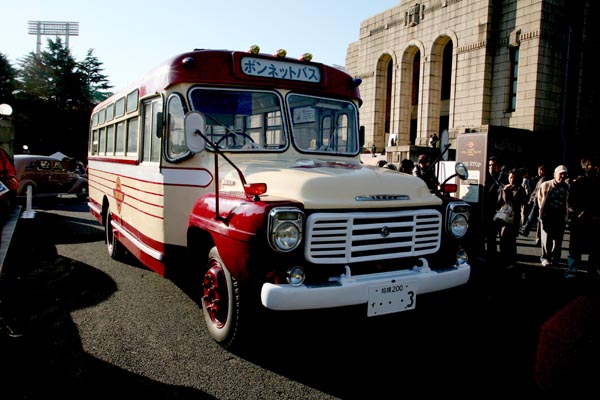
(47, 176)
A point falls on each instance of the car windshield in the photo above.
(323, 125)
(241, 120)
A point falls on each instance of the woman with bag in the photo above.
(513, 197)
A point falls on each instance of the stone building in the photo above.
(524, 68)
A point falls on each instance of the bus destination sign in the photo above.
(280, 70)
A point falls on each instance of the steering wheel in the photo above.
(234, 136)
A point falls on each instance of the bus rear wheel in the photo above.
(220, 302)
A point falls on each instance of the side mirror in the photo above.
(159, 124)
(195, 126)
(461, 170)
(361, 135)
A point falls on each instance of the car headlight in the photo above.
(285, 228)
(457, 219)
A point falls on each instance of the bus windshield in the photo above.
(323, 125)
(241, 120)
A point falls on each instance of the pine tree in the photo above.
(8, 81)
(57, 96)
(95, 81)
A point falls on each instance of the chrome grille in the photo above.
(333, 238)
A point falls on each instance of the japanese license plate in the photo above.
(391, 298)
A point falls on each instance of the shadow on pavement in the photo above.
(42, 355)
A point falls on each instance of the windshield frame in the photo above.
(313, 129)
(268, 132)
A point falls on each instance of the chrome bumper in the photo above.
(352, 290)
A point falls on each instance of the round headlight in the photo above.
(295, 276)
(459, 226)
(286, 236)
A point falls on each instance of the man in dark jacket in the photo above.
(584, 209)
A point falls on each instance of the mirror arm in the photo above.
(217, 154)
(438, 157)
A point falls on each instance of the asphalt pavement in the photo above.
(555, 322)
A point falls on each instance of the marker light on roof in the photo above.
(281, 53)
(254, 49)
(188, 62)
(306, 57)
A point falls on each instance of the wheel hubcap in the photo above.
(215, 294)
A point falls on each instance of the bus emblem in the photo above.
(118, 194)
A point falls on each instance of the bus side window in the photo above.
(152, 113)
(175, 140)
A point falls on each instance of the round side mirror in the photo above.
(195, 126)
(461, 170)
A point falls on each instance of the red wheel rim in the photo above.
(215, 294)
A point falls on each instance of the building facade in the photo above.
(446, 67)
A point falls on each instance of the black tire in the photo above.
(115, 249)
(221, 302)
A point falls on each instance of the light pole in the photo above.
(52, 28)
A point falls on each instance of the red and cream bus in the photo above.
(246, 167)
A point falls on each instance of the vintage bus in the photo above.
(246, 168)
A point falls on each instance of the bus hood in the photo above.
(327, 184)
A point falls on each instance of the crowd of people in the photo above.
(550, 203)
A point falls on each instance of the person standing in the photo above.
(491, 203)
(514, 195)
(423, 171)
(407, 166)
(433, 140)
(535, 207)
(553, 199)
(585, 219)
(528, 187)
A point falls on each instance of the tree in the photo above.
(58, 94)
(8, 80)
(95, 81)
(35, 78)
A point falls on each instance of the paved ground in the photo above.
(549, 324)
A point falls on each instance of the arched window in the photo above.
(447, 71)
(416, 77)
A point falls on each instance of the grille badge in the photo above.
(382, 197)
(385, 231)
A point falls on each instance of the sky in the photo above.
(131, 37)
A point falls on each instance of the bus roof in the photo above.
(244, 69)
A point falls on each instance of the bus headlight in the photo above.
(457, 219)
(459, 226)
(285, 229)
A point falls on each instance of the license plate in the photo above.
(391, 298)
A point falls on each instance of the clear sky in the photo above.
(132, 36)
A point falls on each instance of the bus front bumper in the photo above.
(350, 290)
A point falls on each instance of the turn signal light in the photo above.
(449, 188)
(255, 189)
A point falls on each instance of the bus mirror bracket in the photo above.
(194, 127)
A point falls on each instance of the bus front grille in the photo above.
(334, 238)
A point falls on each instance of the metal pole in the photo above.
(28, 213)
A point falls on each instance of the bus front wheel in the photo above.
(220, 301)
